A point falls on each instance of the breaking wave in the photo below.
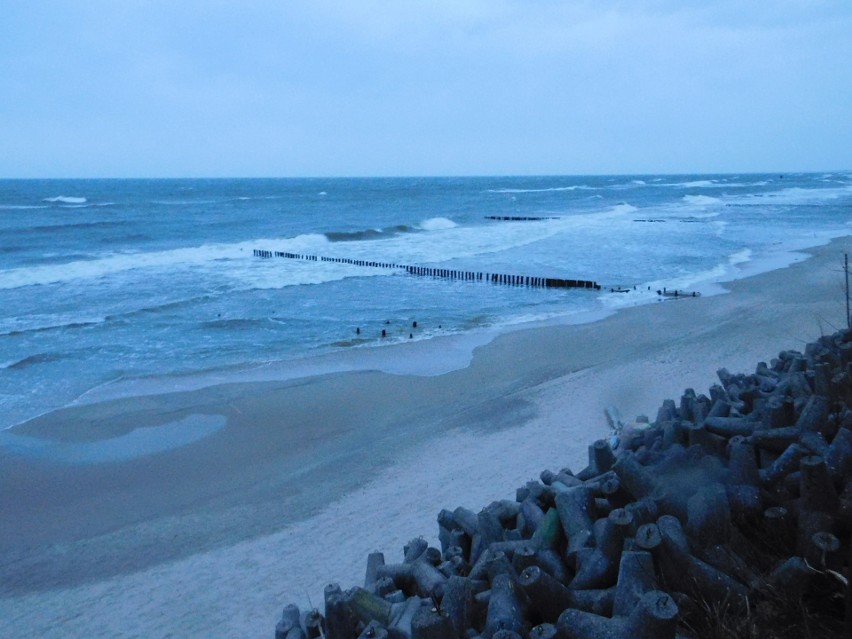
(32, 360)
(623, 207)
(368, 234)
(46, 322)
(701, 200)
(437, 224)
(65, 199)
(578, 187)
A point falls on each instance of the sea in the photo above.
(117, 287)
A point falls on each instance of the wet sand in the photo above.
(307, 476)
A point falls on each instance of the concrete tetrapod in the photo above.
(654, 617)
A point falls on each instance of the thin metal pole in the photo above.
(846, 272)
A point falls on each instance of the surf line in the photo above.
(451, 274)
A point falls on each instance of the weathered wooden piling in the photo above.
(519, 218)
(451, 274)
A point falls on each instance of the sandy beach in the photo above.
(264, 492)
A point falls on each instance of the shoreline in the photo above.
(294, 472)
(428, 356)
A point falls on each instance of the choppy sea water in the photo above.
(109, 286)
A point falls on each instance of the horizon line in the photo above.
(423, 176)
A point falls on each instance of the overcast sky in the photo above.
(126, 88)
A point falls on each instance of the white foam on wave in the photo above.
(448, 242)
(185, 202)
(721, 226)
(622, 208)
(207, 255)
(740, 257)
(20, 207)
(746, 263)
(577, 187)
(437, 224)
(65, 199)
(695, 184)
(701, 200)
(776, 256)
(278, 273)
(797, 195)
(705, 282)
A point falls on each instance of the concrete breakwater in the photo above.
(452, 274)
(728, 516)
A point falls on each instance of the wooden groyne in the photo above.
(730, 516)
(677, 294)
(450, 274)
(518, 218)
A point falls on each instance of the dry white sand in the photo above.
(177, 545)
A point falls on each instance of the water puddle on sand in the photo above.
(139, 442)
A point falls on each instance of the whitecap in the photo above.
(740, 257)
(797, 196)
(192, 257)
(65, 199)
(437, 224)
(700, 200)
(623, 207)
(44, 322)
(185, 202)
(581, 187)
(697, 184)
